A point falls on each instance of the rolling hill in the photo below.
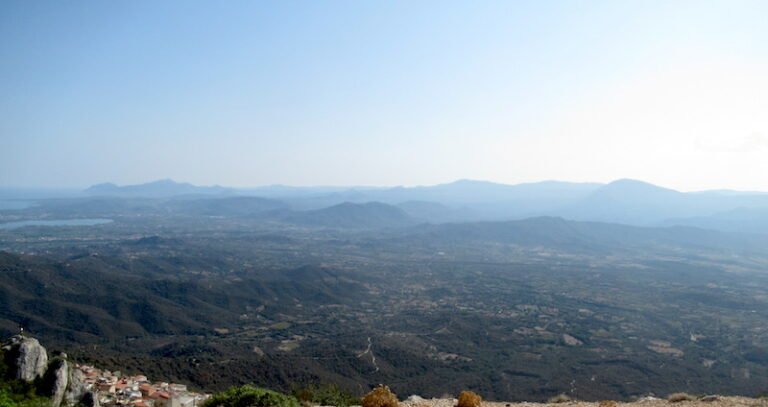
(370, 215)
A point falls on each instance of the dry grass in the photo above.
(469, 399)
(560, 398)
(607, 403)
(380, 396)
(678, 397)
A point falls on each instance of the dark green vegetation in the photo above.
(325, 395)
(18, 393)
(10, 397)
(222, 292)
(250, 396)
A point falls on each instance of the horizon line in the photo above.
(361, 186)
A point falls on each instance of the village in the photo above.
(114, 389)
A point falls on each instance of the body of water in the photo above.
(54, 222)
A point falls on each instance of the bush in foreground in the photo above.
(678, 397)
(250, 396)
(381, 396)
(469, 399)
(8, 399)
(325, 395)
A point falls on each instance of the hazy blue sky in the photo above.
(384, 92)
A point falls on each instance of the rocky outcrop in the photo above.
(90, 399)
(77, 388)
(29, 361)
(32, 361)
(27, 357)
(59, 373)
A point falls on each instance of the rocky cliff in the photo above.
(27, 360)
(26, 357)
(59, 379)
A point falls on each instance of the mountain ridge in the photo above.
(160, 188)
(625, 201)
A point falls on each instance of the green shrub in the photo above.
(6, 400)
(678, 397)
(325, 395)
(250, 396)
(35, 402)
(10, 399)
(381, 396)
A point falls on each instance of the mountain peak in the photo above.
(160, 188)
(470, 182)
(166, 181)
(631, 181)
(636, 186)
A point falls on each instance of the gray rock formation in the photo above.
(60, 379)
(415, 399)
(32, 359)
(77, 388)
(90, 399)
(29, 360)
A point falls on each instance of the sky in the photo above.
(384, 93)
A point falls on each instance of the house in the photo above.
(146, 389)
(106, 387)
(134, 395)
(178, 387)
(161, 399)
(182, 400)
(121, 385)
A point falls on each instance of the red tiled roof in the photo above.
(159, 395)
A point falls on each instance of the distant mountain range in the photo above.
(156, 189)
(640, 203)
(623, 201)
